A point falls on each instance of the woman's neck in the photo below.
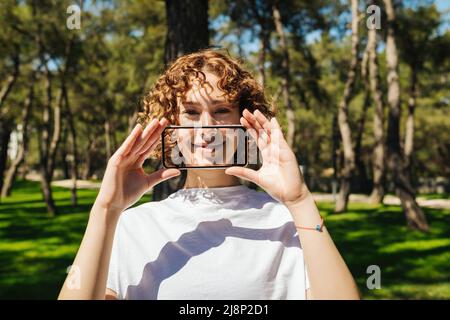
(199, 178)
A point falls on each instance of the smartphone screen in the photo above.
(190, 147)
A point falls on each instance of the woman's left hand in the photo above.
(279, 174)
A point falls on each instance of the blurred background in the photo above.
(361, 89)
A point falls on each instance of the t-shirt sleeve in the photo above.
(113, 280)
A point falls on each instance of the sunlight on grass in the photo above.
(419, 245)
(35, 250)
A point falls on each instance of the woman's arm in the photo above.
(280, 177)
(90, 268)
(123, 184)
(329, 276)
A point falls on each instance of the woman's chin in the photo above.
(205, 162)
(210, 163)
(205, 158)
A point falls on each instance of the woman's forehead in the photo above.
(205, 91)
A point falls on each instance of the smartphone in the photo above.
(210, 147)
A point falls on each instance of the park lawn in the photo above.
(35, 250)
(432, 196)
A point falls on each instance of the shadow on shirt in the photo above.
(208, 234)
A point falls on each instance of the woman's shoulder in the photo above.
(140, 213)
(249, 199)
(263, 198)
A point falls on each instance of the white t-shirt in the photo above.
(224, 243)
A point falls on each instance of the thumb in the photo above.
(161, 175)
(244, 173)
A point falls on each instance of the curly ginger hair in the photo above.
(239, 87)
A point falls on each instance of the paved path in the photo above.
(389, 199)
(320, 197)
(81, 184)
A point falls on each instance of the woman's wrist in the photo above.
(305, 195)
(109, 212)
(304, 211)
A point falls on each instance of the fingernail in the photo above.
(151, 124)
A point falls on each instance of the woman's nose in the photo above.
(207, 120)
(208, 134)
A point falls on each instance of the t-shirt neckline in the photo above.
(227, 189)
(210, 196)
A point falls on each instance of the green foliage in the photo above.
(118, 55)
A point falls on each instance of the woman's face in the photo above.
(205, 105)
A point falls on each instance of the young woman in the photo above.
(215, 238)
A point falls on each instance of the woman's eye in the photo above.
(191, 112)
(222, 111)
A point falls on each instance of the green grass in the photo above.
(413, 265)
(432, 196)
(35, 250)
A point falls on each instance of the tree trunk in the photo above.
(47, 147)
(378, 162)
(363, 180)
(56, 136)
(108, 148)
(87, 159)
(263, 42)
(344, 127)
(12, 171)
(47, 193)
(415, 217)
(64, 154)
(44, 145)
(179, 41)
(87, 166)
(11, 80)
(49, 158)
(286, 79)
(5, 134)
(409, 130)
(5, 124)
(261, 63)
(73, 149)
(185, 19)
(335, 150)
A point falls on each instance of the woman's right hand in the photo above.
(125, 181)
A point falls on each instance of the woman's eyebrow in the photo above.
(213, 102)
(190, 104)
(219, 102)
